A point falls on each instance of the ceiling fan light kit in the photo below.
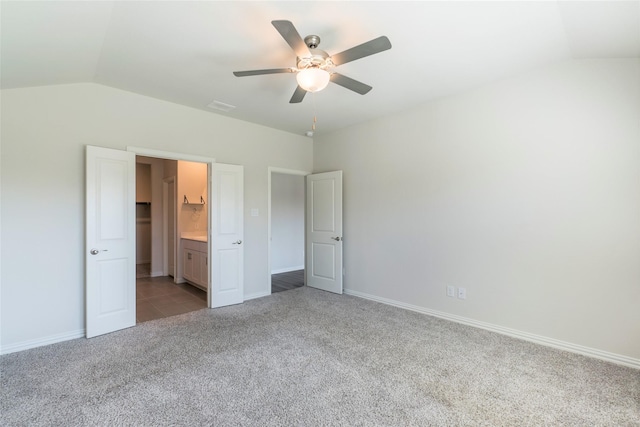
(314, 67)
(313, 79)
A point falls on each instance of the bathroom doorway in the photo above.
(162, 290)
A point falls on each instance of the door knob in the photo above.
(238, 242)
(337, 239)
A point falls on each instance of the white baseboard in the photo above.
(287, 269)
(256, 295)
(52, 339)
(538, 339)
(157, 274)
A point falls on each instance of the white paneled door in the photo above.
(324, 231)
(110, 240)
(227, 234)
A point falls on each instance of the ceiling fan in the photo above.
(314, 67)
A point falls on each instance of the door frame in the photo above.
(271, 171)
(165, 228)
(169, 155)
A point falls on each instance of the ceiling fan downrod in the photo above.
(312, 41)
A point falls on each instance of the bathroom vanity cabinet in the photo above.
(195, 262)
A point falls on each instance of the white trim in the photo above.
(166, 182)
(149, 152)
(287, 269)
(538, 339)
(270, 171)
(52, 339)
(257, 295)
(288, 171)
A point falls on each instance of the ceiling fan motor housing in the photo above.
(318, 59)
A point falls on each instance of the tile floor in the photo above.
(143, 270)
(158, 297)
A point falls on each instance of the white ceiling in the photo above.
(185, 52)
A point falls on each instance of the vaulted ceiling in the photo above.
(185, 52)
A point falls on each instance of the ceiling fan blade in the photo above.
(371, 47)
(298, 95)
(259, 72)
(350, 84)
(291, 36)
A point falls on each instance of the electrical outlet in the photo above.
(462, 293)
(451, 291)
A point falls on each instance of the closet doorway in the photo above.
(286, 229)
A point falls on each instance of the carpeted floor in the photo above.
(308, 358)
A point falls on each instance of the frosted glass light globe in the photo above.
(313, 79)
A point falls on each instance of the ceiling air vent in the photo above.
(221, 106)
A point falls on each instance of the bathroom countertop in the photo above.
(189, 235)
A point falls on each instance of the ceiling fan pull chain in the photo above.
(315, 118)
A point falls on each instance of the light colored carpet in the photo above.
(305, 358)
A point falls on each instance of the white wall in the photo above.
(143, 182)
(157, 217)
(525, 192)
(143, 234)
(170, 169)
(44, 131)
(143, 213)
(287, 222)
(192, 183)
(155, 182)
